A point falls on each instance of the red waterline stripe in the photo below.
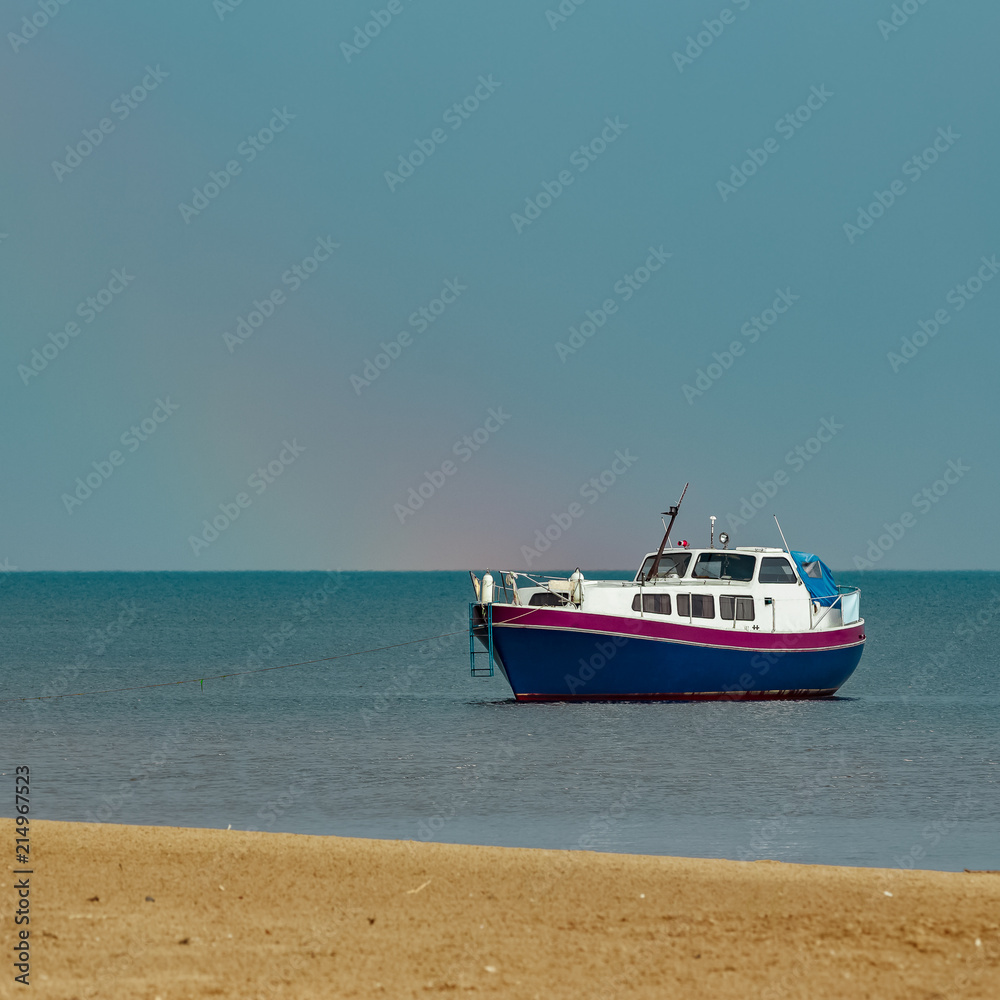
(688, 696)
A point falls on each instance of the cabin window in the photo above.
(702, 606)
(724, 566)
(654, 604)
(545, 600)
(696, 605)
(672, 564)
(739, 607)
(775, 569)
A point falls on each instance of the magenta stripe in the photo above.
(647, 628)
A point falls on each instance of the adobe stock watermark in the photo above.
(711, 30)
(922, 503)
(603, 824)
(121, 107)
(796, 459)
(604, 652)
(224, 7)
(140, 773)
(454, 116)
(6, 569)
(88, 310)
(304, 608)
(473, 784)
(259, 481)
(900, 16)
(132, 440)
(368, 31)
(562, 13)
(591, 491)
(935, 831)
(420, 320)
(30, 26)
(953, 652)
(581, 158)
(806, 788)
(269, 813)
(705, 378)
(97, 642)
(620, 984)
(624, 288)
(100, 639)
(787, 127)
(284, 972)
(293, 279)
(463, 449)
(401, 683)
(959, 297)
(248, 150)
(914, 168)
(761, 664)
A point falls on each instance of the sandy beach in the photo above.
(161, 912)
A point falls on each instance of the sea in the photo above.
(180, 704)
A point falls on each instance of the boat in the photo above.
(747, 623)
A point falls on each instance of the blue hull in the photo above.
(564, 665)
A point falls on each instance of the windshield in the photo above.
(776, 569)
(672, 564)
(724, 566)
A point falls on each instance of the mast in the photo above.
(780, 532)
(666, 534)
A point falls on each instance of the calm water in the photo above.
(404, 744)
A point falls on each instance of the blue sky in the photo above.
(508, 173)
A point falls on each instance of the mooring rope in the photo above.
(235, 673)
(243, 673)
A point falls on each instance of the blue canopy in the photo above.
(817, 577)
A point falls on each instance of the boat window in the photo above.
(775, 569)
(656, 604)
(673, 564)
(724, 566)
(742, 606)
(545, 600)
(813, 569)
(702, 606)
(696, 605)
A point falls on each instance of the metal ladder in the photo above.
(475, 670)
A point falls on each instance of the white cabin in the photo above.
(745, 588)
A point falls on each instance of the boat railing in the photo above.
(848, 601)
(795, 612)
(506, 584)
(806, 612)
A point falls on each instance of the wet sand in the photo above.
(247, 915)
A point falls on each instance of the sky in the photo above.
(434, 285)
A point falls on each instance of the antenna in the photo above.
(672, 511)
(780, 532)
(711, 543)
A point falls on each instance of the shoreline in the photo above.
(237, 914)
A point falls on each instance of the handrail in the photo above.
(825, 613)
(677, 581)
(842, 592)
(842, 589)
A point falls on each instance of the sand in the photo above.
(247, 915)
